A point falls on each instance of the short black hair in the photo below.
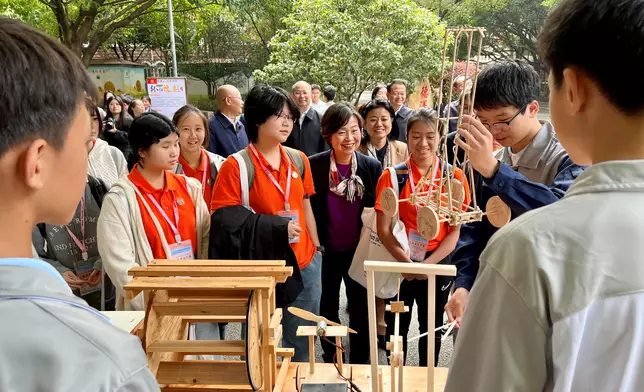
(146, 98)
(105, 95)
(425, 115)
(507, 83)
(316, 86)
(126, 98)
(395, 82)
(378, 87)
(329, 93)
(42, 84)
(384, 104)
(578, 31)
(262, 102)
(335, 117)
(93, 111)
(146, 130)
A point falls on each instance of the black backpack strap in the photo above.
(402, 174)
(98, 189)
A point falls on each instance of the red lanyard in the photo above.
(286, 193)
(81, 244)
(434, 176)
(177, 236)
(204, 167)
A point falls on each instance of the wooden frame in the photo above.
(430, 270)
(178, 293)
(435, 205)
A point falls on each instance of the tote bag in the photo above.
(370, 248)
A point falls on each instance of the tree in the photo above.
(224, 49)
(353, 44)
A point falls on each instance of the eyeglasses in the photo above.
(503, 125)
(285, 116)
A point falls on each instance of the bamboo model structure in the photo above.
(442, 199)
(178, 293)
(395, 344)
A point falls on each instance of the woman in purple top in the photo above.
(345, 183)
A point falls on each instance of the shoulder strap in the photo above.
(246, 170)
(402, 174)
(98, 189)
(297, 159)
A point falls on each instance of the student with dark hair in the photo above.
(147, 102)
(106, 96)
(316, 103)
(378, 139)
(277, 181)
(531, 171)
(424, 162)
(106, 162)
(152, 213)
(345, 183)
(558, 300)
(329, 95)
(47, 334)
(195, 161)
(117, 116)
(397, 94)
(137, 108)
(379, 92)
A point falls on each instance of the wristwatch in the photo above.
(320, 249)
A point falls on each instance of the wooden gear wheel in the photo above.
(428, 223)
(389, 202)
(254, 343)
(498, 213)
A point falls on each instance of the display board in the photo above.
(167, 94)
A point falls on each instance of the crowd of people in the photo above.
(551, 302)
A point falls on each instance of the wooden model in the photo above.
(436, 205)
(395, 343)
(178, 293)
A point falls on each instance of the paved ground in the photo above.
(234, 332)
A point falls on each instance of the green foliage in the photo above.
(353, 44)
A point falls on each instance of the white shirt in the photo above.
(558, 304)
(303, 114)
(232, 121)
(319, 107)
(516, 157)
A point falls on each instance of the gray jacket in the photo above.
(52, 341)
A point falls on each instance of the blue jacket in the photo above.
(542, 176)
(224, 140)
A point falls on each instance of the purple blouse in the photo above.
(344, 218)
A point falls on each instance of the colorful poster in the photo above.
(167, 94)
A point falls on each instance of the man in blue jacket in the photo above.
(227, 132)
(531, 171)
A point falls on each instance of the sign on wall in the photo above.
(167, 94)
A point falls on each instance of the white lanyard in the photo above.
(286, 193)
(434, 176)
(81, 244)
(177, 236)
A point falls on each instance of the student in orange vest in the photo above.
(195, 161)
(282, 185)
(422, 139)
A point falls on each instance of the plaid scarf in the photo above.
(347, 187)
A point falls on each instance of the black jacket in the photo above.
(238, 234)
(401, 122)
(369, 170)
(308, 137)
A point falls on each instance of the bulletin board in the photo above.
(167, 94)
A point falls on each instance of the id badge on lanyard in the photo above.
(417, 246)
(293, 216)
(181, 250)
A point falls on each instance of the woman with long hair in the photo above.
(423, 140)
(195, 161)
(106, 162)
(345, 183)
(117, 116)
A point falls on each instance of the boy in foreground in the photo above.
(559, 300)
(50, 340)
